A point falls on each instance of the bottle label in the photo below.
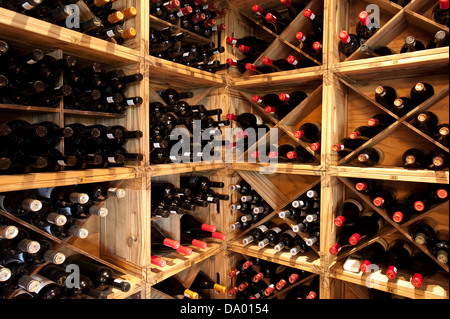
(61, 163)
(408, 248)
(290, 232)
(383, 243)
(2, 198)
(263, 228)
(357, 204)
(276, 229)
(110, 33)
(45, 192)
(42, 282)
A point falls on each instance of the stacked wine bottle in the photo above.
(187, 17)
(21, 252)
(164, 119)
(251, 205)
(104, 22)
(200, 288)
(33, 148)
(398, 257)
(95, 281)
(60, 211)
(34, 79)
(368, 25)
(427, 122)
(280, 105)
(195, 192)
(255, 278)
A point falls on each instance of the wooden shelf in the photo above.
(15, 26)
(435, 287)
(177, 262)
(64, 178)
(396, 62)
(173, 73)
(171, 169)
(393, 174)
(278, 79)
(309, 262)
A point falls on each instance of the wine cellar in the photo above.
(343, 196)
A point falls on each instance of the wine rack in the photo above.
(340, 97)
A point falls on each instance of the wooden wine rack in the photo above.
(340, 97)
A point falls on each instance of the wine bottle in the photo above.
(385, 95)
(342, 239)
(440, 40)
(173, 287)
(439, 159)
(380, 121)
(272, 236)
(441, 13)
(286, 240)
(365, 28)
(419, 202)
(47, 289)
(366, 226)
(45, 254)
(373, 254)
(440, 248)
(20, 277)
(347, 146)
(366, 187)
(377, 51)
(62, 196)
(314, 236)
(371, 156)
(316, 21)
(22, 242)
(69, 228)
(402, 106)
(58, 274)
(161, 243)
(20, 203)
(7, 231)
(294, 98)
(398, 257)
(349, 43)
(412, 45)
(421, 92)
(307, 42)
(100, 275)
(299, 246)
(363, 132)
(426, 122)
(423, 233)
(309, 132)
(441, 134)
(422, 266)
(414, 158)
(99, 192)
(277, 65)
(399, 212)
(256, 234)
(246, 120)
(203, 281)
(348, 212)
(280, 23)
(382, 198)
(155, 260)
(242, 187)
(199, 183)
